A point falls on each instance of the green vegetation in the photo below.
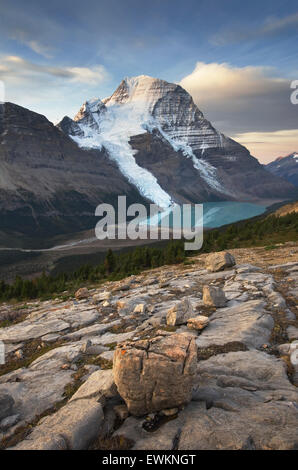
(261, 231)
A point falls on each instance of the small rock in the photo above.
(65, 366)
(106, 295)
(121, 411)
(292, 332)
(106, 303)
(180, 313)
(214, 296)
(219, 261)
(85, 346)
(8, 422)
(92, 349)
(140, 308)
(123, 287)
(120, 304)
(82, 293)
(284, 349)
(163, 283)
(19, 354)
(198, 323)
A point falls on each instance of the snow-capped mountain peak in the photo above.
(286, 167)
(143, 104)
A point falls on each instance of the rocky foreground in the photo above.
(203, 359)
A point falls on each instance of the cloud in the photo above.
(51, 90)
(269, 145)
(242, 99)
(250, 104)
(91, 75)
(16, 68)
(39, 48)
(272, 26)
(32, 25)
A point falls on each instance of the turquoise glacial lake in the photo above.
(217, 214)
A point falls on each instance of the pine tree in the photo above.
(109, 262)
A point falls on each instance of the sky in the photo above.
(237, 59)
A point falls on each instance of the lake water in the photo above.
(215, 214)
(227, 212)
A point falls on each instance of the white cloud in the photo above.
(51, 90)
(90, 75)
(234, 82)
(39, 48)
(251, 104)
(242, 99)
(17, 69)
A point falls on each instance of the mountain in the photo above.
(285, 167)
(148, 141)
(163, 144)
(48, 184)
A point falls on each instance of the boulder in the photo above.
(180, 313)
(198, 323)
(219, 261)
(6, 405)
(214, 296)
(82, 293)
(155, 374)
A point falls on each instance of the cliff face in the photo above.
(162, 143)
(48, 185)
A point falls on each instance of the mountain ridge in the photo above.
(285, 167)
